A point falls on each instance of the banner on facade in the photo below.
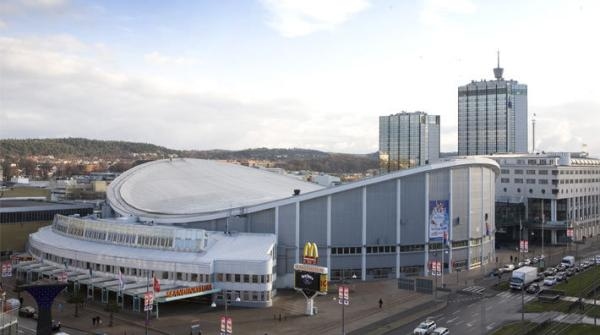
(439, 220)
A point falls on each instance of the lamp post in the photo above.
(226, 323)
(344, 299)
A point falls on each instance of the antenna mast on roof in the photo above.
(498, 70)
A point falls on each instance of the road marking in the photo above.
(452, 320)
(456, 312)
(469, 325)
(488, 308)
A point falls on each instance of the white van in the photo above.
(568, 261)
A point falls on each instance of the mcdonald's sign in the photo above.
(311, 253)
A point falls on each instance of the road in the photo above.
(478, 310)
(28, 327)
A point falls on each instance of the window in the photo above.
(530, 181)
(228, 277)
(505, 180)
(544, 172)
(518, 181)
(255, 278)
(505, 171)
(518, 171)
(238, 278)
(246, 278)
(530, 171)
(543, 181)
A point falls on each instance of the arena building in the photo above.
(237, 232)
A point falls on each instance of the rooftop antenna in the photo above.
(498, 70)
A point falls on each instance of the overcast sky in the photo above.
(308, 73)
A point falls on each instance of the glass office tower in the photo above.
(492, 116)
(407, 140)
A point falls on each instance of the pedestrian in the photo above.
(380, 303)
(93, 321)
(511, 258)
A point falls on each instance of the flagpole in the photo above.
(147, 291)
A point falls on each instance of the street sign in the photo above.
(524, 245)
(226, 325)
(148, 301)
(344, 295)
(6, 269)
(436, 268)
(569, 232)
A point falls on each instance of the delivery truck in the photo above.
(568, 261)
(522, 277)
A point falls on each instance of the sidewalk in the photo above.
(287, 317)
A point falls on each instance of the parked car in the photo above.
(441, 331)
(507, 268)
(586, 264)
(550, 281)
(26, 311)
(425, 327)
(527, 261)
(533, 288)
(540, 277)
(597, 259)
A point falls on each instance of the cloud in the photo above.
(563, 127)
(294, 18)
(15, 7)
(436, 11)
(2, 24)
(156, 58)
(78, 93)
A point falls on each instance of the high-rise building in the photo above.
(492, 116)
(407, 140)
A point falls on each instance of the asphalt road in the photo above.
(28, 326)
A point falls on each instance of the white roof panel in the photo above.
(195, 186)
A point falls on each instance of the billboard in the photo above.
(439, 220)
(312, 281)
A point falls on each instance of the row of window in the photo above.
(244, 296)
(242, 278)
(183, 276)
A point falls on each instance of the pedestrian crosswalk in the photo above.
(474, 289)
(509, 295)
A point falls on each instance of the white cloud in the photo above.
(13, 7)
(156, 58)
(294, 18)
(2, 24)
(77, 93)
(435, 11)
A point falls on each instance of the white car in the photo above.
(550, 281)
(425, 327)
(597, 259)
(441, 331)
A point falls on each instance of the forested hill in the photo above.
(77, 147)
(289, 159)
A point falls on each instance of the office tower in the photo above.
(407, 140)
(492, 116)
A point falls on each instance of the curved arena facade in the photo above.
(240, 230)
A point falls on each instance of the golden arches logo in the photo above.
(311, 253)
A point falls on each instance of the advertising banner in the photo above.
(439, 220)
(6, 269)
(307, 280)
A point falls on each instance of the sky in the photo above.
(313, 74)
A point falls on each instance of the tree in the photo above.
(77, 299)
(112, 307)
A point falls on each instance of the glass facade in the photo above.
(408, 140)
(492, 117)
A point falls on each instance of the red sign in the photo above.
(148, 301)
(156, 285)
(569, 232)
(6, 269)
(344, 295)
(524, 245)
(226, 325)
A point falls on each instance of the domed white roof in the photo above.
(189, 187)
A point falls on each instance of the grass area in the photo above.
(502, 286)
(536, 306)
(514, 328)
(580, 281)
(518, 328)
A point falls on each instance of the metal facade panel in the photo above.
(313, 223)
(412, 220)
(346, 218)
(262, 222)
(381, 213)
(476, 221)
(460, 204)
(287, 222)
